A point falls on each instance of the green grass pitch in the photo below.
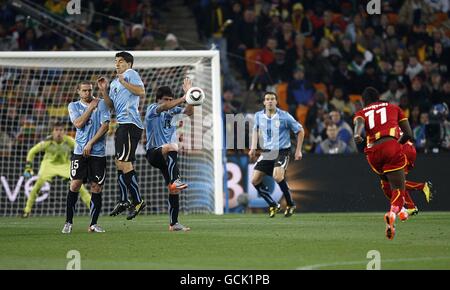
(250, 241)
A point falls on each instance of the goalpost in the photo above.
(36, 88)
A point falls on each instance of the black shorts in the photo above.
(126, 141)
(271, 159)
(88, 169)
(156, 159)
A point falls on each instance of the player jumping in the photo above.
(162, 144)
(384, 150)
(274, 126)
(88, 163)
(124, 94)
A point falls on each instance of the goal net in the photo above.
(35, 90)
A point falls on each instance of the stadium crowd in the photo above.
(317, 55)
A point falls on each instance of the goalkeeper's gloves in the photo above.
(28, 170)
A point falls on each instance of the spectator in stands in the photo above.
(419, 132)
(399, 74)
(441, 58)
(332, 145)
(345, 132)
(393, 94)
(6, 40)
(300, 91)
(414, 67)
(137, 32)
(171, 43)
(302, 24)
(339, 102)
(57, 7)
(419, 95)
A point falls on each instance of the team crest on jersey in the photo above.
(277, 124)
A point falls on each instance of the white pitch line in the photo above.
(318, 266)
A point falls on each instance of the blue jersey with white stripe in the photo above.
(87, 132)
(275, 131)
(126, 104)
(160, 127)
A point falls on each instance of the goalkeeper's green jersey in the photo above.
(55, 153)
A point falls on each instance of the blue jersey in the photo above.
(125, 103)
(159, 127)
(275, 131)
(98, 117)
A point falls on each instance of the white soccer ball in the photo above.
(195, 96)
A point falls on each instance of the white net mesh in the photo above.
(35, 89)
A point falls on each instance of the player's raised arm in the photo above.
(138, 90)
(80, 120)
(102, 84)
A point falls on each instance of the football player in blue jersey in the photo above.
(162, 144)
(91, 118)
(272, 127)
(125, 92)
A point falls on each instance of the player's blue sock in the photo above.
(264, 193)
(172, 165)
(122, 186)
(130, 179)
(96, 207)
(174, 207)
(72, 198)
(286, 193)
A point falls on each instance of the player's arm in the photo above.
(253, 145)
(83, 118)
(187, 84)
(300, 138)
(297, 128)
(357, 130)
(407, 131)
(28, 172)
(100, 133)
(102, 84)
(135, 89)
(169, 105)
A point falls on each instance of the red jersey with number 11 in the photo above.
(381, 119)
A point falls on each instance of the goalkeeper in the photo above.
(56, 162)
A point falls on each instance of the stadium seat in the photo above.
(301, 113)
(251, 57)
(355, 98)
(321, 87)
(282, 96)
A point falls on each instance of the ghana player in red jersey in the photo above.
(384, 151)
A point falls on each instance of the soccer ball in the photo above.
(195, 96)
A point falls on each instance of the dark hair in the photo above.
(370, 95)
(84, 83)
(270, 93)
(58, 123)
(163, 91)
(126, 56)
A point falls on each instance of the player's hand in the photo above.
(187, 84)
(102, 83)
(93, 104)
(252, 154)
(28, 170)
(298, 155)
(121, 78)
(358, 139)
(87, 149)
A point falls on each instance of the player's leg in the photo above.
(170, 153)
(156, 158)
(397, 183)
(96, 175)
(46, 173)
(127, 139)
(263, 168)
(64, 172)
(279, 173)
(33, 195)
(425, 187)
(78, 173)
(409, 203)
